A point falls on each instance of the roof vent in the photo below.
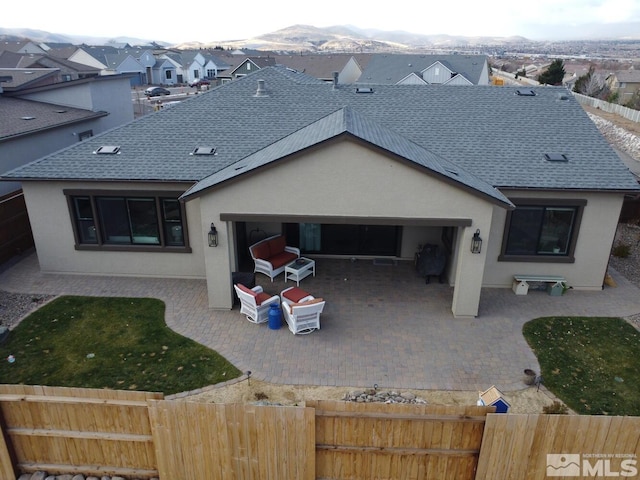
(525, 93)
(262, 89)
(335, 79)
(204, 151)
(28, 118)
(364, 90)
(563, 96)
(556, 157)
(60, 111)
(108, 150)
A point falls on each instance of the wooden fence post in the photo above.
(7, 456)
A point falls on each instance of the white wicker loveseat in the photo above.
(272, 254)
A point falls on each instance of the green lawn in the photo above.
(591, 364)
(117, 343)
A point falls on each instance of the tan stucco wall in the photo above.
(342, 178)
(595, 238)
(52, 230)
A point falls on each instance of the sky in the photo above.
(177, 22)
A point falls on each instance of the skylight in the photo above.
(204, 151)
(108, 150)
(556, 157)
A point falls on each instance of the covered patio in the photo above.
(382, 325)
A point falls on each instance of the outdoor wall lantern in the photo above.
(476, 242)
(213, 236)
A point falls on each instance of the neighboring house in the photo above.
(164, 72)
(125, 63)
(245, 67)
(625, 82)
(94, 57)
(38, 119)
(397, 69)
(67, 70)
(22, 78)
(341, 170)
(22, 46)
(214, 65)
(323, 66)
(193, 63)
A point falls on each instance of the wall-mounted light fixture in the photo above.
(213, 236)
(476, 242)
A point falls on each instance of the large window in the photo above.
(124, 220)
(542, 230)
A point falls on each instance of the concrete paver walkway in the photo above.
(381, 325)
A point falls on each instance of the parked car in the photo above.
(198, 82)
(156, 91)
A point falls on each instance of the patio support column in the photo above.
(218, 266)
(469, 273)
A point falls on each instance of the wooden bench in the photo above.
(521, 285)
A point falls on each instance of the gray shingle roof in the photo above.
(348, 121)
(391, 68)
(22, 117)
(490, 132)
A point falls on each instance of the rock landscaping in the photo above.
(373, 395)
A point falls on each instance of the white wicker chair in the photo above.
(303, 318)
(255, 303)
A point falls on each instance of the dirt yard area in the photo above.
(629, 125)
(527, 400)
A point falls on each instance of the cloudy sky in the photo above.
(205, 21)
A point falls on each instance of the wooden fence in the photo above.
(15, 229)
(141, 435)
(75, 430)
(516, 446)
(394, 441)
(227, 442)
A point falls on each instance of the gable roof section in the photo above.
(320, 66)
(392, 68)
(348, 121)
(497, 136)
(628, 76)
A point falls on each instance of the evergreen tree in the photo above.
(554, 74)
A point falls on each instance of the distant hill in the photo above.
(340, 38)
(41, 36)
(351, 39)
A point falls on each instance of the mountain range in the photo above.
(304, 38)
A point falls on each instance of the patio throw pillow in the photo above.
(262, 297)
(305, 304)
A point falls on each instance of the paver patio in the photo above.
(381, 325)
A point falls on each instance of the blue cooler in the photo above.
(275, 317)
